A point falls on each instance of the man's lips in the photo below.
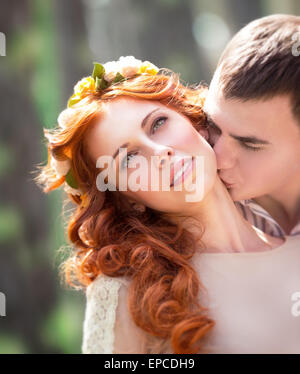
(227, 184)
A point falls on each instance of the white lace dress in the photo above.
(102, 301)
(108, 327)
(254, 299)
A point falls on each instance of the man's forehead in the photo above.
(269, 117)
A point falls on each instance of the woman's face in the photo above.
(155, 138)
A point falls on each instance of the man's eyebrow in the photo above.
(249, 139)
(245, 139)
(143, 124)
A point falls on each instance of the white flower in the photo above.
(111, 69)
(130, 61)
(129, 66)
(61, 167)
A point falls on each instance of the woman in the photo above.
(163, 274)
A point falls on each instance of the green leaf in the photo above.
(98, 71)
(70, 179)
(98, 83)
(101, 84)
(118, 78)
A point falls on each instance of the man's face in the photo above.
(256, 142)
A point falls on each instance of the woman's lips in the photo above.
(189, 167)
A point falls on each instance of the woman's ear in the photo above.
(139, 207)
(131, 201)
(136, 205)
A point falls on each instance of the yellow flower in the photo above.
(149, 68)
(84, 85)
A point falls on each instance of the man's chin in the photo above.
(235, 192)
(238, 195)
(235, 195)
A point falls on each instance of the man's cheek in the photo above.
(266, 173)
(250, 170)
(253, 176)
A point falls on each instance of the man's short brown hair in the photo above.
(259, 63)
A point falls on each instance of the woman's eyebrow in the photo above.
(143, 124)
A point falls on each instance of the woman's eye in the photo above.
(158, 123)
(127, 159)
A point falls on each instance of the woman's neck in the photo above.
(225, 230)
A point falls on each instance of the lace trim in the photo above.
(100, 315)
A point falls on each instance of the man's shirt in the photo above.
(260, 218)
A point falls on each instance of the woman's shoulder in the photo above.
(101, 308)
(105, 291)
(293, 240)
(108, 325)
(290, 246)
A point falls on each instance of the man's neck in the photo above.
(283, 205)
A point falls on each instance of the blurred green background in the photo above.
(50, 45)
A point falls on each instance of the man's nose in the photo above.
(225, 154)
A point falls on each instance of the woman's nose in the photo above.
(163, 157)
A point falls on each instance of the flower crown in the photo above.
(102, 77)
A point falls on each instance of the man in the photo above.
(253, 108)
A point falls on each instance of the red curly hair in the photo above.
(109, 238)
